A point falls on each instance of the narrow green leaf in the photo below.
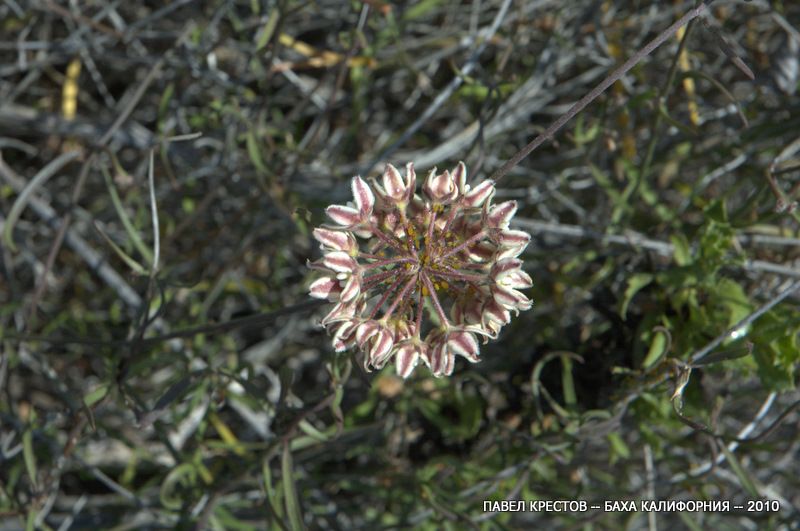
(25, 195)
(183, 474)
(689, 521)
(682, 253)
(166, 97)
(93, 397)
(227, 520)
(268, 30)
(30, 522)
(567, 382)
(311, 431)
(289, 490)
(420, 9)
(635, 284)
(130, 262)
(131, 231)
(619, 450)
(740, 472)
(254, 151)
(273, 496)
(726, 355)
(658, 348)
(29, 456)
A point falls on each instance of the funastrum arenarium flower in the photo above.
(418, 277)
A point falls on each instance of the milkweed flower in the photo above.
(419, 276)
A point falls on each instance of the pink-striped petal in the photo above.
(393, 183)
(517, 279)
(512, 238)
(366, 330)
(460, 177)
(325, 288)
(335, 240)
(478, 195)
(511, 299)
(481, 252)
(344, 337)
(351, 289)
(343, 215)
(464, 344)
(509, 252)
(363, 196)
(340, 262)
(467, 310)
(500, 215)
(406, 358)
(343, 311)
(381, 347)
(437, 358)
(448, 363)
(505, 267)
(495, 313)
(411, 181)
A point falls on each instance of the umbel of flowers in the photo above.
(418, 276)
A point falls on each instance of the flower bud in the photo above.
(441, 189)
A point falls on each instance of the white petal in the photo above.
(363, 196)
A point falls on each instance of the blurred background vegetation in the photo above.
(181, 381)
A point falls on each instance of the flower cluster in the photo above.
(447, 247)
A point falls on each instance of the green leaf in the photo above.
(269, 28)
(312, 432)
(740, 472)
(725, 355)
(93, 397)
(682, 253)
(166, 97)
(273, 496)
(184, 474)
(26, 194)
(689, 520)
(228, 521)
(30, 522)
(470, 413)
(658, 348)
(254, 151)
(773, 374)
(420, 9)
(289, 490)
(130, 230)
(635, 284)
(734, 300)
(619, 450)
(567, 382)
(29, 456)
(130, 262)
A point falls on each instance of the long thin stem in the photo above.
(400, 297)
(388, 261)
(662, 96)
(429, 235)
(434, 298)
(455, 209)
(393, 243)
(449, 272)
(466, 243)
(595, 92)
(372, 280)
(418, 321)
(384, 297)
